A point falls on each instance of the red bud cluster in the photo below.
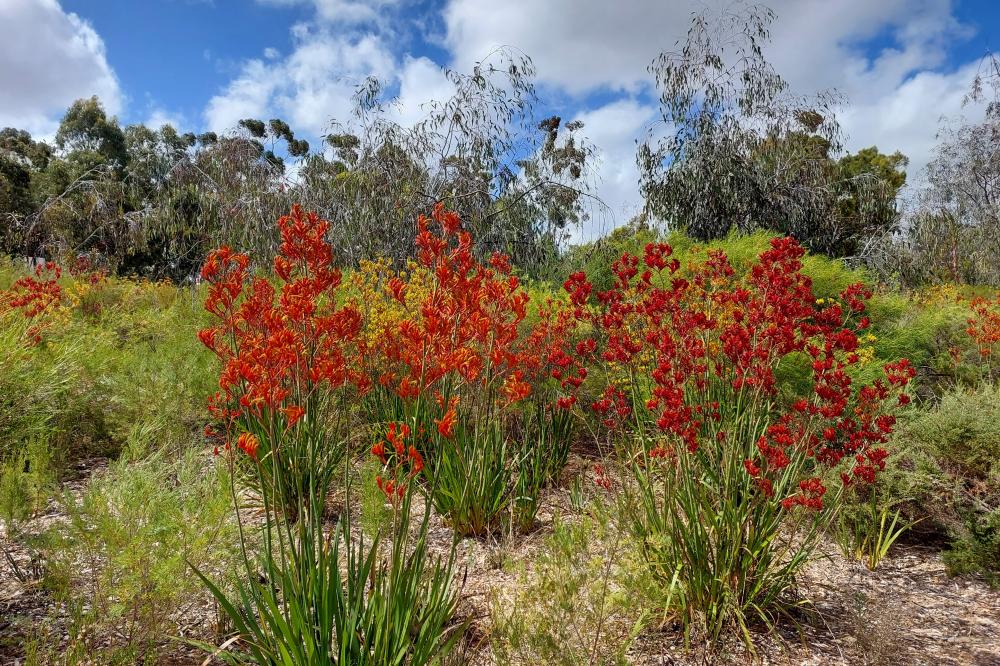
(280, 345)
(707, 342)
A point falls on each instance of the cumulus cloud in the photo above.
(613, 129)
(576, 46)
(316, 82)
(582, 45)
(421, 81)
(907, 117)
(159, 117)
(50, 58)
(343, 11)
(312, 85)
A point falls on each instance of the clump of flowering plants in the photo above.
(733, 470)
(481, 396)
(290, 361)
(36, 297)
(291, 368)
(984, 329)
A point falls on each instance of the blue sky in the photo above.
(203, 64)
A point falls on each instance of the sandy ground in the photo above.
(908, 611)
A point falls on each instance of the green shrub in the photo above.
(27, 481)
(96, 383)
(118, 563)
(567, 609)
(977, 549)
(41, 391)
(963, 433)
(949, 466)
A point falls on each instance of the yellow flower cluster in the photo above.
(367, 287)
(940, 294)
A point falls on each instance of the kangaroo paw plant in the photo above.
(732, 466)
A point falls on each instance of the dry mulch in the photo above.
(907, 611)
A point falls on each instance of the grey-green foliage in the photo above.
(949, 470)
(954, 234)
(155, 201)
(519, 182)
(740, 151)
(964, 433)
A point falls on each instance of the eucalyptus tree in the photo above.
(739, 151)
(953, 234)
(964, 179)
(80, 200)
(519, 182)
(22, 159)
(154, 201)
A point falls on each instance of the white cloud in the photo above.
(159, 117)
(580, 45)
(613, 129)
(315, 83)
(576, 45)
(50, 58)
(311, 86)
(342, 11)
(907, 117)
(420, 81)
(818, 44)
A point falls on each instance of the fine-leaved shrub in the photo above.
(568, 607)
(119, 565)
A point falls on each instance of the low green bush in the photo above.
(568, 608)
(119, 565)
(947, 470)
(118, 362)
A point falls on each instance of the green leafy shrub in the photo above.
(44, 391)
(95, 383)
(977, 548)
(27, 480)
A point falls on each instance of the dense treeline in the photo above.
(737, 150)
(153, 201)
